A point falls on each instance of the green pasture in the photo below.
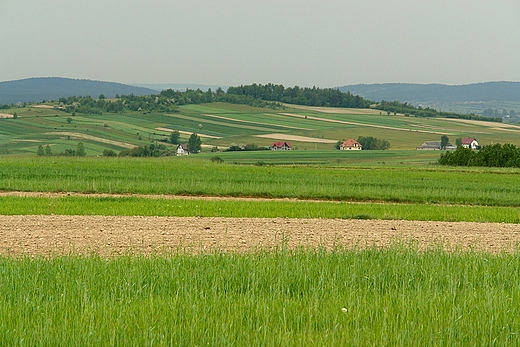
(328, 157)
(234, 124)
(193, 176)
(392, 297)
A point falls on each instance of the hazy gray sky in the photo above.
(326, 43)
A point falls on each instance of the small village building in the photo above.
(470, 143)
(182, 149)
(350, 145)
(435, 146)
(281, 146)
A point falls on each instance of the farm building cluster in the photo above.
(468, 142)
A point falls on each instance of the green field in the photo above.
(393, 297)
(194, 176)
(396, 296)
(229, 124)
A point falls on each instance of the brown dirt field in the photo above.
(109, 236)
(6, 115)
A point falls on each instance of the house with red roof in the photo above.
(350, 145)
(470, 143)
(281, 146)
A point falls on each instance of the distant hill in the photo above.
(438, 93)
(52, 88)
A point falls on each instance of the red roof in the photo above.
(351, 143)
(281, 144)
(467, 140)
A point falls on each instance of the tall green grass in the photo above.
(192, 176)
(393, 297)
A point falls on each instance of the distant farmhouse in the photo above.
(470, 143)
(281, 146)
(182, 149)
(435, 146)
(350, 145)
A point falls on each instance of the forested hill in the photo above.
(436, 93)
(53, 88)
(332, 97)
(329, 97)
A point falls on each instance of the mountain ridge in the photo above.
(37, 89)
(502, 91)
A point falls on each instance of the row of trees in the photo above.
(159, 150)
(301, 96)
(496, 155)
(78, 152)
(369, 143)
(257, 95)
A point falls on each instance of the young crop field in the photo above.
(309, 247)
(394, 297)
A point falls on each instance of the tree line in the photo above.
(496, 155)
(256, 95)
(47, 151)
(314, 96)
(333, 97)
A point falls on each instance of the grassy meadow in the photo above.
(392, 297)
(398, 296)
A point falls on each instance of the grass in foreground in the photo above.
(392, 297)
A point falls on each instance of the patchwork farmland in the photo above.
(309, 246)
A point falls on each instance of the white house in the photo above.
(281, 146)
(470, 143)
(182, 149)
(350, 145)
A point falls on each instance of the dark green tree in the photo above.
(372, 143)
(174, 137)
(444, 141)
(458, 141)
(80, 150)
(48, 150)
(194, 143)
(40, 151)
(109, 153)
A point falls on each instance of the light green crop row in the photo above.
(140, 206)
(191, 176)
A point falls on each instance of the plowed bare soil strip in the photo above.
(109, 235)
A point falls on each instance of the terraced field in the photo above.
(226, 124)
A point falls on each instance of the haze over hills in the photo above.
(180, 86)
(441, 96)
(53, 88)
(470, 98)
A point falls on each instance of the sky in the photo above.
(325, 43)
